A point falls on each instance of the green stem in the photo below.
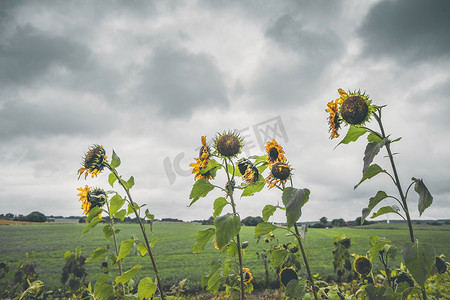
(397, 181)
(305, 258)
(149, 248)
(238, 240)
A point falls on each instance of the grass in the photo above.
(173, 249)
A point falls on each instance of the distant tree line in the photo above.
(35, 216)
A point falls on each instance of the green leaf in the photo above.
(353, 134)
(372, 171)
(130, 182)
(219, 204)
(115, 204)
(214, 282)
(371, 151)
(396, 140)
(130, 208)
(146, 288)
(294, 199)
(372, 137)
(125, 248)
(107, 231)
(96, 254)
(295, 289)
(125, 277)
(268, 211)
(151, 217)
(111, 179)
(115, 160)
(425, 198)
(121, 214)
(102, 289)
(419, 260)
(94, 212)
(91, 224)
(142, 249)
(212, 168)
(372, 203)
(202, 239)
(227, 227)
(253, 188)
(264, 228)
(200, 189)
(277, 257)
(385, 210)
(236, 170)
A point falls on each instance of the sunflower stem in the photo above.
(305, 258)
(233, 205)
(149, 249)
(397, 180)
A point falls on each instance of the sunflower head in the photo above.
(247, 275)
(93, 162)
(345, 242)
(355, 108)
(286, 275)
(228, 144)
(334, 121)
(279, 174)
(249, 172)
(275, 152)
(362, 265)
(91, 197)
(230, 188)
(441, 266)
(202, 162)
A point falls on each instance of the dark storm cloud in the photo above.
(29, 53)
(179, 82)
(407, 30)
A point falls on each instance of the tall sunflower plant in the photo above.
(95, 202)
(240, 175)
(293, 200)
(355, 109)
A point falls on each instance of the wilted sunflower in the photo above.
(249, 172)
(228, 144)
(247, 275)
(355, 108)
(286, 275)
(441, 265)
(90, 198)
(93, 162)
(362, 265)
(230, 189)
(202, 162)
(275, 152)
(279, 174)
(334, 121)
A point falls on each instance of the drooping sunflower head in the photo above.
(249, 172)
(334, 120)
(275, 152)
(94, 161)
(441, 265)
(286, 275)
(279, 174)
(91, 197)
(230, 188)
(362, 265)
(202, 162)
(355, 108)
(247, 275)
(228, 144)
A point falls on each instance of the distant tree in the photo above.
(36, 216)
(252, 221)
(338, 222)
(9, 216)
(323, 220)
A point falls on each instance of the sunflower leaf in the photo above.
(96, 254)
(107, 231)
(294, 199)
(268, 211)
(425, 198)
(146, 288)
(385, 210)
(111, 179)
(419, 260)
(115, 204)
(125, 248)
(150, 217)
(372, 203)
(372, 171)
(94, 212)
(91, 224)
(125, 277)
(200, 189)
(253, 188)
(353, 134)
(130, 182)
(121, 214)
(277, 257)
(212, 168)
(202, 239)
(372, 137)
(371, 151)
(219, 204)
(227, 227)
(115, 160)
(264, 228)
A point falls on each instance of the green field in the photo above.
(173, 250)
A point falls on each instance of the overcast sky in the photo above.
(149, 78)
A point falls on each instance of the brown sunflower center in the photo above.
(228, 145)
(273, 153)
(281, 171)
(363, 265)
(287, 275)
(354, 110)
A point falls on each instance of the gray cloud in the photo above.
(407, 30)
(179, 82)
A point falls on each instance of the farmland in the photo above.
(173, 249)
